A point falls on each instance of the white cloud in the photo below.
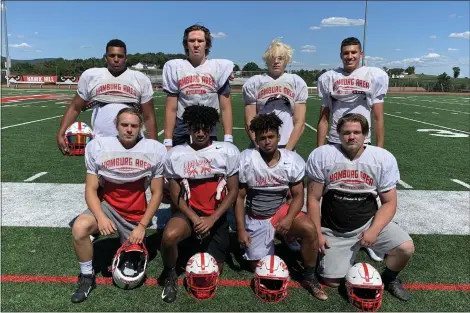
(341, 21)
(314, 27)
(296, 62)
(452, 49)
(324, 64)
(38, 50)
(9, 35)
(465, 35)
(21, 45)
(20, 36)
(432, 37)
(369, 58)
(453, 15)
(85, 47)
(36, 33)
(309, 47)
(219, 35)
(308, 50)
(397, 49)
(429, 60)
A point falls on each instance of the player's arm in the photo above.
(250, 113)
(300, 109)
(226, 113)
(378, 115)
(322, 127)
(314, 194)
(240, 207)
(105, 225)
(386, 212)
(229, 199)
(170, 119)
(156, 188)
(175, 194)
(150, 122)
(70, 116)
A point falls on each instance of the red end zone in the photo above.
(31, 97)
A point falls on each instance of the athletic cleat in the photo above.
(395, 287)
(313, 286)
(169, 290)
(86, 283)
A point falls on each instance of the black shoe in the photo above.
(395, 287)
(313, 286)
(169, 290)
(86, 283)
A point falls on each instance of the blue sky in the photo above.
(431, 35)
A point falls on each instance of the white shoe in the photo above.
(374, 256)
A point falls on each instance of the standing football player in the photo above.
(107, 91)
(282, 93)
(266, 174)
(349, 176)
(119, 170)
(195, 171)
(352, 89)
(196, 80)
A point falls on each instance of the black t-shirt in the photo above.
(345, 212)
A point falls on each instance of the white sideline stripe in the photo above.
(238, 128)
(43, 119)
(35, 176)
(461, 183)
(311, 127)
(410, 119)
(422, 106)
(160, 132)
(21, 102)
(401, 182)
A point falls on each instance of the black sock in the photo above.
(388, 275)
(309, 272)
(169, 271)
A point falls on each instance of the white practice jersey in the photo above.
(220, 159)
(196, 85)
(98, 84)
(376, 170)
(109, 160)
(355, 92)
(278, 96)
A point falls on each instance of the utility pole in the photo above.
(364, 38)
(7, 54)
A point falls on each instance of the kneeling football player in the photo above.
(195, 170)
(119, 170)
(266, 176)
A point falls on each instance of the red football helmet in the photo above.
(202, 276)
(364, 287)
(77, 136)
(271, 279)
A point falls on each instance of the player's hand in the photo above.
(244, 238)
(284, 225)
(62, 144)
(368, 238)
(322, 244)
(137, 235)
(205, 224)
(106, 226)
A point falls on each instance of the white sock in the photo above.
(86, 268)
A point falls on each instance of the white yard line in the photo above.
(35, 176)
(22, 102)
(405, 185)
(238, 128)
(43, 119)
(311, 127)
(422, 106)
(160, 132)
(461, 183)
(410, 119)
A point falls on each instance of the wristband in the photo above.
(168, 142)
(228, 138)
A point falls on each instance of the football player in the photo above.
(282, 93)
(266, 174)
(349, 176)
(108, 90)
(352, 89)
(196, 80)
(119, 170)
(195, 169)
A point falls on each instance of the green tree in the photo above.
(251, 66)
(456, 71)
(410, 70)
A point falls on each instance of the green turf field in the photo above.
(429, 135)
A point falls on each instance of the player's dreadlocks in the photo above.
(265, 122)
(200, 117)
